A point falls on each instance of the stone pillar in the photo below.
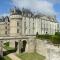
(1, 48)
(19, 47)
(26, 49)
(12, 43)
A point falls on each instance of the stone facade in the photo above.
(59, 27)
(4, 26)
(26, 23)
(30, 24)
(50, 51)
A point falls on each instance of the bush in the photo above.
(46, 36)
(37, 34)
(55, 39)
(7, 43)
(57, 33)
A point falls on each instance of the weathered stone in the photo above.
(1, 48)
(12, 43)
(19, 47)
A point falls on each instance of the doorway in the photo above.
(24, 42)
(16, 44)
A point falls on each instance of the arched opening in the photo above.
(9, 49)
(23, 46)
(16, 44)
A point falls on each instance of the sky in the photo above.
(48, 7)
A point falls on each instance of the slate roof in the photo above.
(15, 11)
(2, 19)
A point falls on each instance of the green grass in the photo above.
(31, 56)
(5, 58)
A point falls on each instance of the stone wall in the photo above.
(30, 46)
(1, 48)
(41, 48)
(35, 45)
(50, 51)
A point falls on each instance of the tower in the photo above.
(15, 22)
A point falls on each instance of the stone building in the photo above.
(59, 27)
(22, 25)
(4, 26)
(25, 23)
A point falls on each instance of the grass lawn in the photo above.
(5, 58)
(31, 56)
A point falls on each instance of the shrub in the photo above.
(7, 43)
(57, 33)
(37, 34)
(46, 36)
(55, 39)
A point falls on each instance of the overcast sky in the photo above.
(49, 7)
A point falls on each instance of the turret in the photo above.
(15, 22)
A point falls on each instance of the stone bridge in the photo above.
(26, 43)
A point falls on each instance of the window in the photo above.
(17, 23)
(5, 32)
(5, 27)
(17, 30)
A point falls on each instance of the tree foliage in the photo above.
(55, 39)
(37, 34)
(57, 33)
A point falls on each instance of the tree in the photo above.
(57, 33)
(37, 34)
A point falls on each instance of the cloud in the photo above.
(36, 6)
(54, 1)
(43, 6)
